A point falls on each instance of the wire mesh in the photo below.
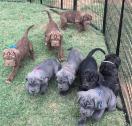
(111, 35)
(94, 8)
(63, 4)
(112, 23)
(126, 50)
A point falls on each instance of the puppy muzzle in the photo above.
(10, 63)
(87, 22)
(55, 43)
(63, 88)
(86, 87)
(86, 112)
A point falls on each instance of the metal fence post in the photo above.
(41, 1)
(105, 15)
(120, 29)
(61, 4)
(74, 4)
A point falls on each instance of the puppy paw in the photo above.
(61, 59)
(119, 103)
(63, 93)
(81, 123)
(8, 81)
(63, 28)
(42, 93)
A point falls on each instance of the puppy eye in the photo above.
(33, 85)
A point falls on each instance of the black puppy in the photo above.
(88, 72)
(109, 70)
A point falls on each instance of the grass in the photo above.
(17, 107)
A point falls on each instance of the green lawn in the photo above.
(17, 107)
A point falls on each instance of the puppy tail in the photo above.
(94, 50)
(55, 11)
(26, 33)
(49, 15)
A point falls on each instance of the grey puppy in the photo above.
(66, 75)
(37, 80)
(94, 102)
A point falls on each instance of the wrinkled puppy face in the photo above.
(55, 38)
(64, 80)
(35, 85)
(86, 112)
(90, 80)
(87, 19)
(86, 104)
(10, 57)
(85, 101)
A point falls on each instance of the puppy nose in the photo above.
(33, 91)
(60, 88)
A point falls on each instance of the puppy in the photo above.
(66, 75)
(13, 56)
(37, 80)
(109, 70)
(53, 37)
(88, 72)
(94, 102)
(76, 17)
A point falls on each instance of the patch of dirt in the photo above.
(53, 107)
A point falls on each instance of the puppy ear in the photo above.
(4, 52)
(29, 78)
(48, 36)
(46, 80)
(100, 78)
(90, 17)
(99, 104)
(71, 79)
(26, 78)
(58, 74)
(17, 54)
(78, 97)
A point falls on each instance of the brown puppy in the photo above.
(13, 56)
(53, 37)
(81, 20)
